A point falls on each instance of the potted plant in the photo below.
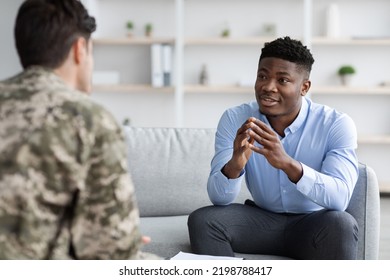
(225, 33)
(345, 72)
(148, 29)
(129, 28)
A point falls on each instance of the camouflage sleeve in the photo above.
(106, 218)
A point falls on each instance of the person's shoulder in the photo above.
(79, 99)
(10, 84)
(81, 105)
(243, 111)
(324, 111)
(234, 117)
(325, 114)
(71, 102)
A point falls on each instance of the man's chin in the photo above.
(268, 113)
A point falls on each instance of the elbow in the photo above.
(336, 205)
(344, 194)
(220, 198)
(339, 207)
(221, 191)
(220, 201)
(346, 197)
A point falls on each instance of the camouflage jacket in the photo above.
(64, 187)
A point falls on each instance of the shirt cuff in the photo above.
(306, 183)
(230, 184)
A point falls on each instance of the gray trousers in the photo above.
(223, 230)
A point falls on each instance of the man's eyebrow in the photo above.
(280, 73)
(262, 69)
(283, 73)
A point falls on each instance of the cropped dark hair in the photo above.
(290, 50)
(46, 29)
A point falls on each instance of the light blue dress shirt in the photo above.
(322, 139)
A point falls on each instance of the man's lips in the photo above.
(268, 100)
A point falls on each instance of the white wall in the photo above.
(9, 62)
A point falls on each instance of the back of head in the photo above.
(46, 29)
(290, 50)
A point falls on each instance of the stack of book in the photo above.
(161, 55)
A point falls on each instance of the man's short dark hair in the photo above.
(290, 50)
(46, 29)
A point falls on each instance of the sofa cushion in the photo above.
(170, 236)
(170, 168)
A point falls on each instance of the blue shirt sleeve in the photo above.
(221, 190)
(332, 186)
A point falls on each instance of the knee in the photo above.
(209, 217)
(342, 223)
(199, 217)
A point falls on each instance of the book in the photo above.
(157, 70)
(167, 64)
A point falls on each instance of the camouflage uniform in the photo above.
(64, 187)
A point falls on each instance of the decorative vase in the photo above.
(204, 76)
(333, 21)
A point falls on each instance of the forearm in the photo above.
(232, 169)
(293, 170)
(328, 191)
(228, 163)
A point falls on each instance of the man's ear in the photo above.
(305, 87)
(79, 49)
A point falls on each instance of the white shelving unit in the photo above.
(317, 41)
(193, 28)
(366, 45)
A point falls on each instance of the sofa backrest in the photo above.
(170, 168)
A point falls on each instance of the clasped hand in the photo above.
(254, 130)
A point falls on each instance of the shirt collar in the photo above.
(297, 123)
(300, 119)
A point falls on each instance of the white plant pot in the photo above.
(346, 79)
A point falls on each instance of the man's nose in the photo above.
(270, 85)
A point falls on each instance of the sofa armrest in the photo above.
(365, 207)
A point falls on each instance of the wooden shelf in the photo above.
(133, 41)
(321, 90)
(384, 187)
(218, 89)
(256, 41)
(374, 139)
(131, 88)
(350, 41)
(350, 90)
(320, 41)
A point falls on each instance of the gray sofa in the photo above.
(170, 167)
